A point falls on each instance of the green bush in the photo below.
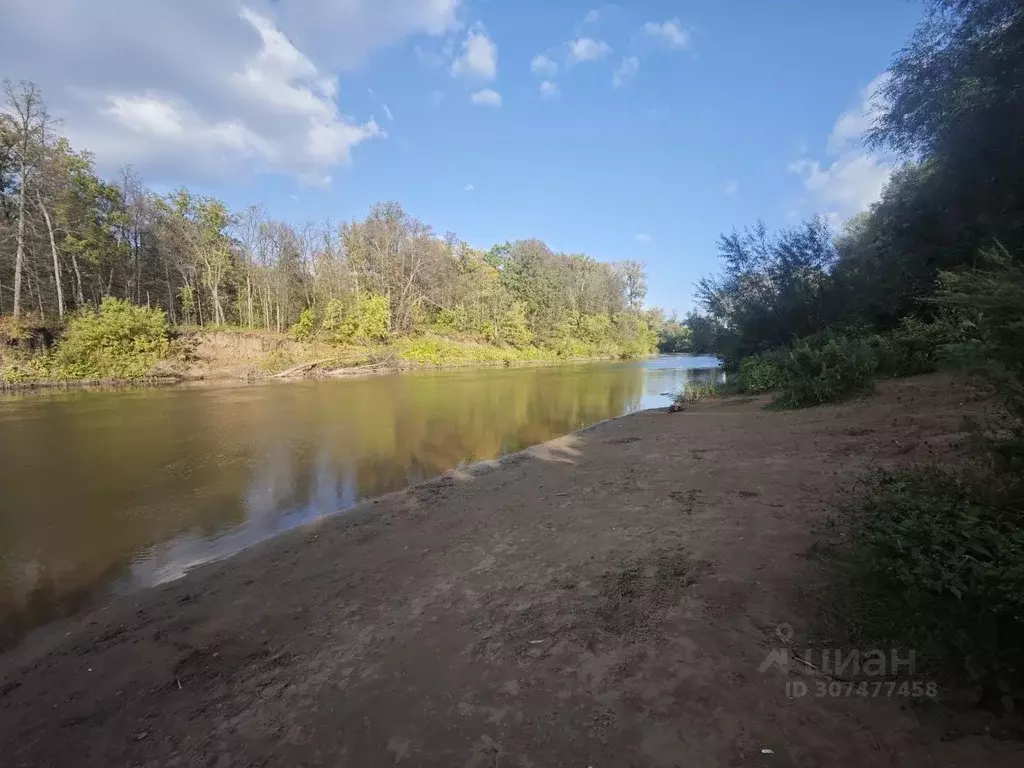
(936, 564)
(306, 325)
(513, 327)
(759, 373)
(373, 318)
(122, 341)
(826, 369)
(912, 347)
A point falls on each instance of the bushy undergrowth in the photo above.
(440, 351)
(759, 373)
(936, 564)
(121, 341)
(825, 369)
(936, 561)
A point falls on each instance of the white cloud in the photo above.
(670, 32)
(625, 71)
(468, 188)
(849, 184)
(479, 57)
(643, 237)
(588, 49)
(387, 113)
(731, 188)
(486, 98)
(852, 125)
(541, 64)
(592, 16)
(200, 91)
(852, 178)
(549, 90)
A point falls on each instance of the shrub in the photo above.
(760, 373)
(936, 563)
(912, 347)
(513, 328)
(121, 341)
(306, 325)
(373, 317)
(826, 369)
(455, 320)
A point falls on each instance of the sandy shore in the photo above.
(605, 599)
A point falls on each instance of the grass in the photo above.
(697, 391)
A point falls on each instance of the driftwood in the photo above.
(304, 368)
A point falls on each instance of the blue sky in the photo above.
(723, 112)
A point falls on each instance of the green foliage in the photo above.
(335, 326)
(937, 559)
(912, 348)
(936, 564)
(771, 291)
(760, 373)
(455, 320)
(439, 351)
(828, 368)
(372, 318)
(512, 327)
(990, 301)
(675, 337)
(305, 326)
(121, 341)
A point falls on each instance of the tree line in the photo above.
(953, 107)
(69, 238)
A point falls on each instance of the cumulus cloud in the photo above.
(202, 89)
(549, 90)
(587, 49)
(671, 33)
(853, 124)
(541, 64)
(852, 177)
(486, 98)
(625, 71)
(479, 58)
(592, 16)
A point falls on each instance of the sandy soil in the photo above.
(605, 599)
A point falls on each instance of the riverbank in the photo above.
(233, 355)
(606, 598)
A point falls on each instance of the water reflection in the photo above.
(128, 489)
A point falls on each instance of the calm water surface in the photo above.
(111, 491)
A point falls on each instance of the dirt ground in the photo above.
(606, 599)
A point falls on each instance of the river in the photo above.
(107, 491)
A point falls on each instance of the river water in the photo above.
(106, 492)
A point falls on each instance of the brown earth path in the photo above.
(605, 599)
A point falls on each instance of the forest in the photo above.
(929, 278)
(73, 244)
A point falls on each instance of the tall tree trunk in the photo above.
(170, 293)
(19, 258)
(79, 292)
(56, 260)
(248, 298)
